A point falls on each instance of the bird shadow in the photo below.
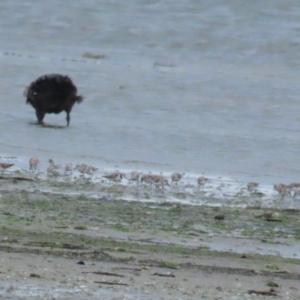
(48, 125)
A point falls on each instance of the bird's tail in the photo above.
(79, 98)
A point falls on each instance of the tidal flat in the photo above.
(62, 245)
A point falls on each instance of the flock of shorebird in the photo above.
(292, 189)
(151, 179)
(157, 180)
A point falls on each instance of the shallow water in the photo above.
(190, 87)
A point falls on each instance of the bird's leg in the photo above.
(68, 117)
(40, 116)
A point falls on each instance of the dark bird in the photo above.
(52, 93)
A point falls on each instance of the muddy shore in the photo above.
(62, 246)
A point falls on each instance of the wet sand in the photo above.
(189, 87)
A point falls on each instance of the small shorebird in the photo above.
(135, 176)
(293, 187)
(201, 181)
(176, 177)
(90, 170)
(81, 168)
(33, 163)
(5, 166)
(160, 181)
(282, 189)
(51, 163)
(51, 170)
(147, 178)
(296, 193)
(116, 176)
(252, 187)
(277, 186)
(68, 169)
